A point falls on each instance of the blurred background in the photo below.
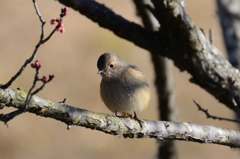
(72, 57)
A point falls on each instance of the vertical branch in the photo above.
(164, 86)
(229, 16)
(167, 110)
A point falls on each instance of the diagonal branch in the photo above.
(113, 125)
(178, 39)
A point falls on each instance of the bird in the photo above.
(123, 87)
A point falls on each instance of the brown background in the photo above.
(72, 58)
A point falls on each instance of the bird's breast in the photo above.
(125, 95)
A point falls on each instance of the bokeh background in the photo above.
(72, 58)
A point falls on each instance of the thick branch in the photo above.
(113, 125)
(178, 39)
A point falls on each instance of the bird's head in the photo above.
(110, 65)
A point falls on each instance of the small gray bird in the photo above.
(123, 87)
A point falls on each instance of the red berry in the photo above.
(33, 65)
(66, 9)
(44, 79)
(58, 28)
(62, 30)
(53, 21)
(60, 24)
(37, 64)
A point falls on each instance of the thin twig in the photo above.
(214, 117)
(41, 41)
(29, 95)
(211, 35)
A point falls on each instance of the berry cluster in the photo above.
(60, 24)
(44, 79)
(36, 64)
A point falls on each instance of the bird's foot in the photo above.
(126, 115)
(136, 118)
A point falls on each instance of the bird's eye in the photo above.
(111, 65)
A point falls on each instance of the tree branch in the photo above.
(113, 125)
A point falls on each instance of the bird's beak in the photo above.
(100, 71)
